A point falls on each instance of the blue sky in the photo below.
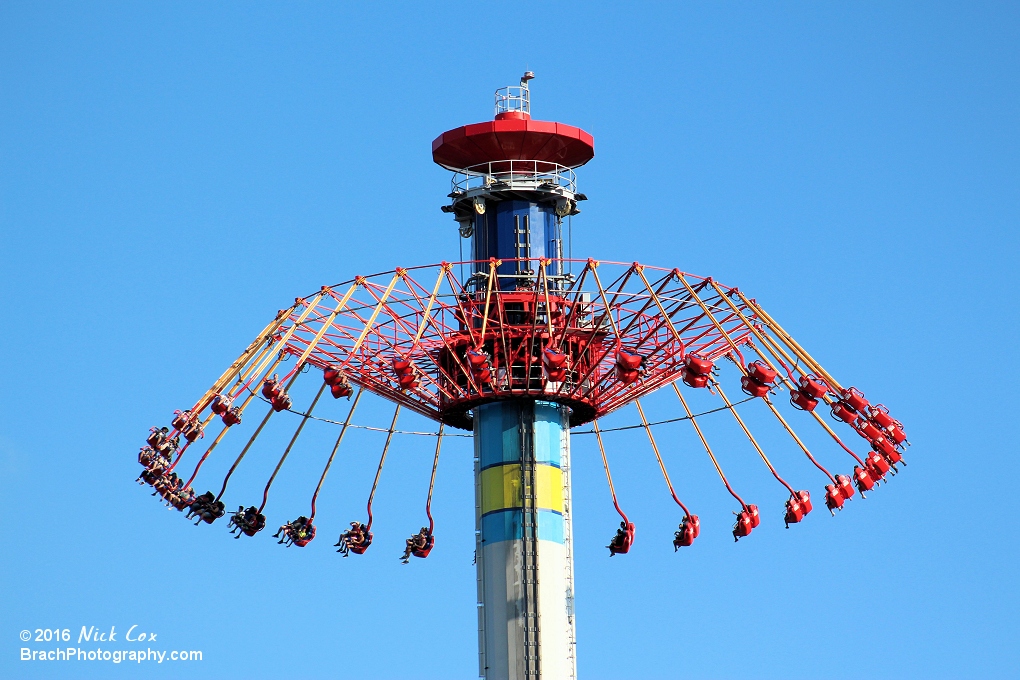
(172, 174)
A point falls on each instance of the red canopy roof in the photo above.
(513, 139)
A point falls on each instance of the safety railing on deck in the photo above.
(515, 175)
(514, 98)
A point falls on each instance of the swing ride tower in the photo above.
(518, 344)
(512, 189)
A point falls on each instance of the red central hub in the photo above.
(514, 351)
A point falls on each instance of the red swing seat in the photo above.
(689, 530)
(797, 507)
(429, 544)
(747, 520)
(623, 540)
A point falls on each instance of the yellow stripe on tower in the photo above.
(501, 487)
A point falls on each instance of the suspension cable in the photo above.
(797, 439)
(654, 422)
(708, 448)
(775, 350)
(259, 369)
(750, 436)
(247, 375)
(336, 446)
(180, 452)
(382, 459)
(662, 466)
(301, 425)
(609, 477)
(797, 349)
(432, 482)
(658, 303)
(545, 289)
(371, 320)
(327, 323)
(488, 296)
(246, 355)
(258, 430)
(715, 322)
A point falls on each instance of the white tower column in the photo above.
(524, 551)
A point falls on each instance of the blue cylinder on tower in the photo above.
(512, 229)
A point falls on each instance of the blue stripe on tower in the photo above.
(548, 432)
(506, 525)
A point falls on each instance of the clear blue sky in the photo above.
(173, 173)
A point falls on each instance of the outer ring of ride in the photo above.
(390, 272)
(455, 414)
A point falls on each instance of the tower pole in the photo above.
(512, 187)
(524, 542)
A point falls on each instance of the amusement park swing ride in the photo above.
(518, 345)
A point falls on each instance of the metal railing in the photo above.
(515, 175)
(515, 98)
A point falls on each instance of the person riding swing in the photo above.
(418, 545)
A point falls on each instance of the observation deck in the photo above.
(513, 136)
(513, 158)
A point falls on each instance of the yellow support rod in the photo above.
(605, 302)
(658, 456)
(605, 462)
(198, 465)
(435, 462)
(576, 288)
(488, 295)
(382, 460)
(251, 395)
(286, 337)
(326, 326)
(454, 287)
(246, 373)
(835, 436)
(244, 451)
(775, 349)
(375, 313)
(428, 308)
(797, 439)
(772, 347)
(764, 340)
(808, 359)
(711, 317)
(545, 286)
(236, 367)
(750, 437)
(336, 447)
(658, 303)
(286, 452)
(792, 387)
(697, 428)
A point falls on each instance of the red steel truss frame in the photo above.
(426, 315)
